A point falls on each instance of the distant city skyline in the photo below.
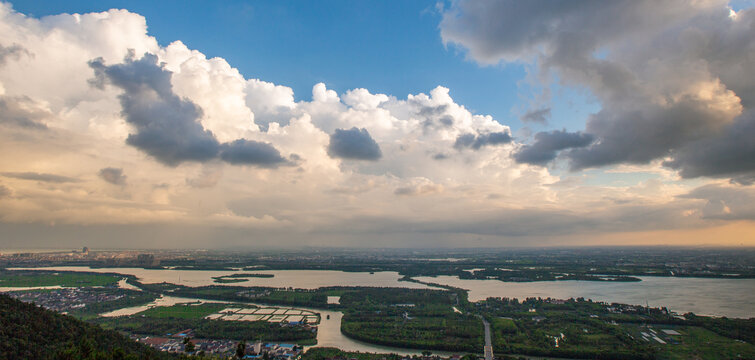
(392, 124)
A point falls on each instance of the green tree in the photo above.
(119, 354)
(188, 345)
(241, 349)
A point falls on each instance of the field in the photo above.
(183, 311)
(270, 314)
(38, 278)
(585, 329)
(698, 343)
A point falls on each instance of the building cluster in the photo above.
(272, 351)
(177, 343)
(81, 257)
(64, 300)
(253, 293)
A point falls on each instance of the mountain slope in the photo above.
(31, 332)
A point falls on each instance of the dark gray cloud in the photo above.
(12, 52)
(537, 116)
(354, 144)
(475, 142)
(639, 133)
(494, 30)
(548, 144)
(40, 177)
(23, 112)
(730, 155)
(114, 176)
(167, 126)
(681, 104)
(249, 152)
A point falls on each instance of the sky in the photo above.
(376, 124)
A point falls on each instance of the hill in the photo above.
(31, 332)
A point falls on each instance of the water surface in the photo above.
(299, 279)
(703, 296)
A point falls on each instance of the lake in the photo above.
(299, 279)
(703, 296)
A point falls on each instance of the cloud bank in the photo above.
(675, 79)
(210, 153)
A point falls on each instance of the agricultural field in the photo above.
(183, 311)
(584, 329)
(269, 314)
(694, 342)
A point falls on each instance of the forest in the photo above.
(30, 332)
(209, 329)
(416, 319)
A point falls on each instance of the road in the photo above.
(488, 342)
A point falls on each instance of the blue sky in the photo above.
(390, 47)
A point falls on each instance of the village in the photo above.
(183, 342)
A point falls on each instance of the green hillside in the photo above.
(30, 332)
